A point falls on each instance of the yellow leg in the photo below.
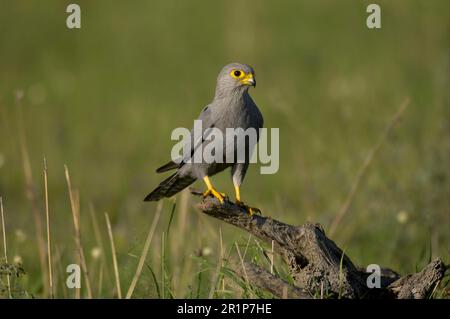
(211, 190)
(238, 193)
(250, 210)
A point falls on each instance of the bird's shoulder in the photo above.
(205, 112)
(255, 112)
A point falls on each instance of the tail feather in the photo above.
(169, 187)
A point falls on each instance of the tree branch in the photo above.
(316, 263)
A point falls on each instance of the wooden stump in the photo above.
(316, 263)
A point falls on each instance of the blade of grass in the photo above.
(246, 246)
(214, 280)
(163, 266)
(99, 241)
(321, 290)
(47, 219)
(76, 222)
(265, 254)
(180, 263)
(171, 218)
(4, 245)
(100, 280)
(145, 250)
(154, 280)
(272, 254)
(216, 277)
(199, 283)
(341, 274)
(221, 256)
(113, 250)
(242, 262)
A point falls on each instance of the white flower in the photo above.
(17, 259)
(96, 252)
(402, 217)
(206, 251)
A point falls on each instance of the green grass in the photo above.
(104, 99)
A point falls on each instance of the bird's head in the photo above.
(235, 77)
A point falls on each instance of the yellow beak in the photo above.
(249, 80)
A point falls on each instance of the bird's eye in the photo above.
(237, 74)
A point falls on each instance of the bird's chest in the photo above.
(235, 117)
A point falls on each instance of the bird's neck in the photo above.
(236, 93)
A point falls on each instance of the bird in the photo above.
(231, 107)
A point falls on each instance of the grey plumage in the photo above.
(232, 107)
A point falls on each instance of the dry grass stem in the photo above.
(47, 219)
(144, 253)
(4, 245)
(114, 257)
(74, 203)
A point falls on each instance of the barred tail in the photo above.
(169, 187)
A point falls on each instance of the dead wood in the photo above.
(318, 266)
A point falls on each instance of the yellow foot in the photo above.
(212, 192)
(250, 210)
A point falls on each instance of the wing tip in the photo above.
(151, 197)
(167, 167)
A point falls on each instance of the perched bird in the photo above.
(232, 107)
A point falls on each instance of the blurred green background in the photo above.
(104, 100)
